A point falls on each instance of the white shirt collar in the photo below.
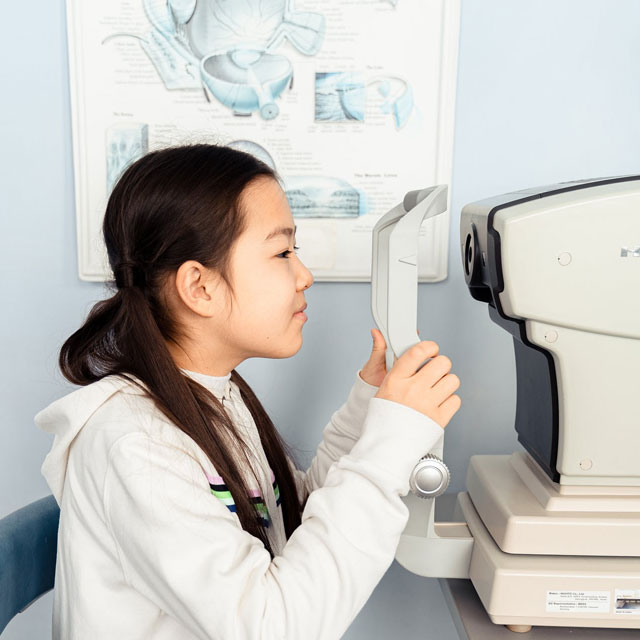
(220, 386)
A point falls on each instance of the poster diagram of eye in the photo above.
(331, 94)
(342, 96)
(229, 48)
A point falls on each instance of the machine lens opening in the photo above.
(468, 254)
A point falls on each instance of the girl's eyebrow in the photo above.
(287, 231)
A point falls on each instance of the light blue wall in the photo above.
(547, 91)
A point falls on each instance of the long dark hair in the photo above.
(173, 205)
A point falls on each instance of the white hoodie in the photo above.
(149, 547)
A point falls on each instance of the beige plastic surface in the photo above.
(473, 623)
(563, 497)
(589, 526)
(572, 242)
(514, 589)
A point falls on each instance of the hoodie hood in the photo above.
(65, 418)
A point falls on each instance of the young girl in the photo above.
(181, 514)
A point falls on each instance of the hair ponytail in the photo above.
(159, 215)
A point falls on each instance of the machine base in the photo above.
(563, 591)
(528, 514)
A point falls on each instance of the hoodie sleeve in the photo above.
(338, 437)
(185, 551)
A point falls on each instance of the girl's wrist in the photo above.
(367, 379)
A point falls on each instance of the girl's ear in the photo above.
(195, 286)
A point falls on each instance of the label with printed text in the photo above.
(578, 601)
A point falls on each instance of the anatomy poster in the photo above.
(351, 101)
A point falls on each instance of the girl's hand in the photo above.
(429, 390)
(375, 369)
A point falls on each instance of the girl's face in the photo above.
(269, 281)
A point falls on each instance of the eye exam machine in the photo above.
(549, 535)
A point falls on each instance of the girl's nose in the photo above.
(305, 277)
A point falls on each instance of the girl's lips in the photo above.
(300, 314)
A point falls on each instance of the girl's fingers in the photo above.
(446, 386)
(413, 357)
(448, 408)
(433, 371)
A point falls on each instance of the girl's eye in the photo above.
(285, 254)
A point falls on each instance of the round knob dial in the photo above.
(430, 477)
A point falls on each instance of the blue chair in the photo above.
(28, 543)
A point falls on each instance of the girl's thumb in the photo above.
(379, 343)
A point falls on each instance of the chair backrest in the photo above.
(28, 543)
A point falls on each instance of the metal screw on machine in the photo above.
(430, 477)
